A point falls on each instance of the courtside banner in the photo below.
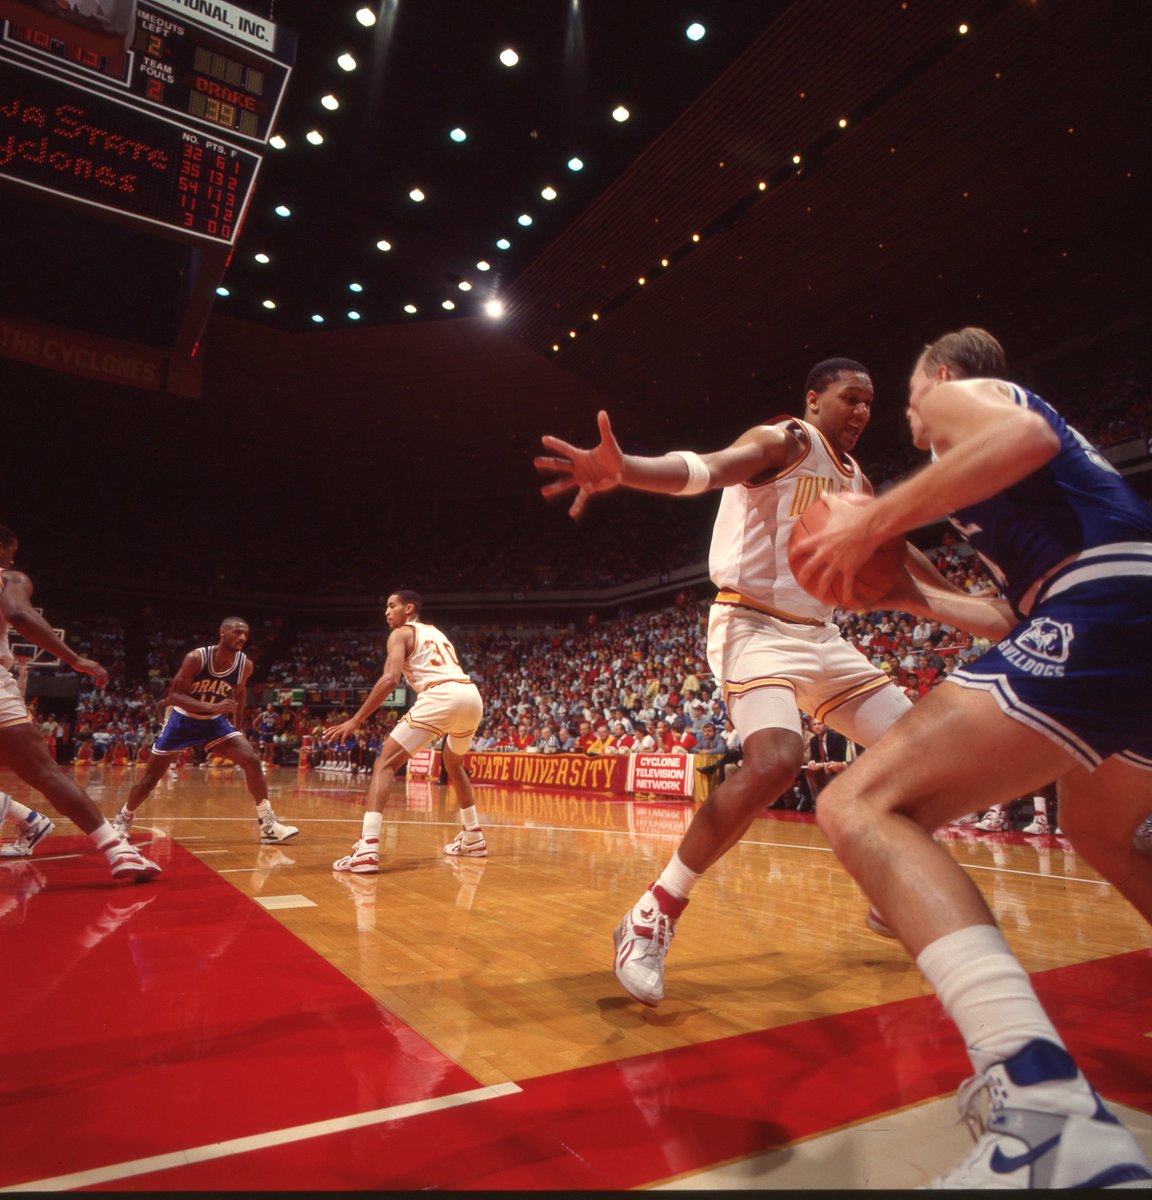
(424, 764)
(663, 774)
(582, 772)
(80, 353)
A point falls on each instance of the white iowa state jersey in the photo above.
(433, 659)
(750, 539)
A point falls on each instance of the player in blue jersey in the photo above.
(208, 689)
(1071, 545)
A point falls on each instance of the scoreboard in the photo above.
(170, 132)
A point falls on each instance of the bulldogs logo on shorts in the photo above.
(1046, 639)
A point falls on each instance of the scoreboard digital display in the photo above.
(168, 132)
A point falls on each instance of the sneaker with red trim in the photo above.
(129, 865)
(992, 822)
(1039, 824)
(641, 941)
(468, 843)
(364, 859)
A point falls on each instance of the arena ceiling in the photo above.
(809, 178)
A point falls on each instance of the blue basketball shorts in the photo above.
(1078, 668)
(180, 732)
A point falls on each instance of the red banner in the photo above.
(81, 354)
(663, 774)
(425, 764)
(579, 772)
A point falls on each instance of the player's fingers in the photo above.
(557, 487)
(559, 445)
(552, 464)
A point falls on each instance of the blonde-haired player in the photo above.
(448, 706)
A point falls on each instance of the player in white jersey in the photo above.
(773, 648)
(24, 751)
(448, 706)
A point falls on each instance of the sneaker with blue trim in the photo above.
(34, 829)
(1043, 1126)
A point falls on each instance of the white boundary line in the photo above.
(262, 1141)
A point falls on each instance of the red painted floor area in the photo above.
(152, 1019)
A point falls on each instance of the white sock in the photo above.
(10, 807)
(986, 992)
(373, 822)
(677, 879)
(1041, 806)
(105, 838)
(468, 817)
(264, 809)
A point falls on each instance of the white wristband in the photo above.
(699, 477)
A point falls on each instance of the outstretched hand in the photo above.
(595, 470)
(88, 666)
(337, 733)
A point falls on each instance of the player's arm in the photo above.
(400, 643)
(937, 598)
(984, 442)
(179, 691)
(763, 450)
(16, 604)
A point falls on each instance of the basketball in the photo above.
(876, 576)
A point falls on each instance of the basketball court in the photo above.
(255, 1021)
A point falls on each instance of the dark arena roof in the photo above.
(804, 180)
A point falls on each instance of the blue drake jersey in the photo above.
(1076, 502)
(213, 687)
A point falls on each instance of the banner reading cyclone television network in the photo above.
(658, 774)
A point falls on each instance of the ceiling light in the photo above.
(762, 186)
(458, 135)
(620, 113)
(796, 159)
(843, 122)
(346, 62)
(223, 291)
(409, 308)
(595, 316)
(384, 245)
(277, 142)
(555, 346)
(269, 303)
(464, 285)
(524, 219)
(449, 305)
(366, 17)
(261, 257)
(282, 210)
(663, 262)
(315, 137)
(503, 244)
(575, 164)
(963, 29)
(509, 57)
(318, 318)
(494, 308)
(330, 102)
(695, 237)
(416, 194)
(695, 31)
(549, 193)
(571, 332)
(482, 265)
(353, 315)
(355, 287)
(641, 281)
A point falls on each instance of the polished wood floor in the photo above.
(504, 964)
